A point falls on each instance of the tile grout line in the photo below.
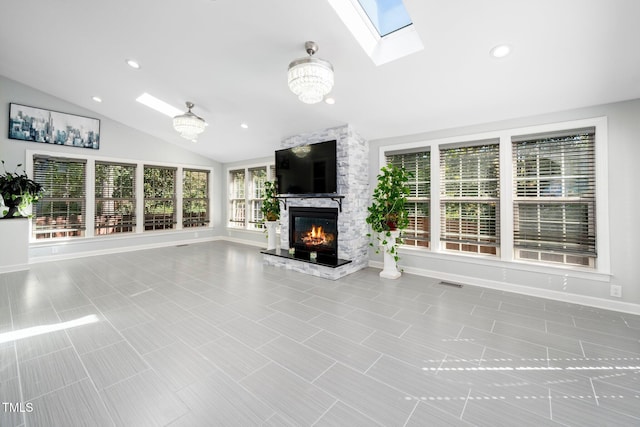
(374, 362)
(104, 404)
(325, 412)
(465, 404)
(412, 412)
(595, 396)
(370, 335)
(324, 372)
(15, 351)
(374, 379)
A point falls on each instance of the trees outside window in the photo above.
(159, 198)
(195, 198)
(115, 198)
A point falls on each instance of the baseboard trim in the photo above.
(606, 304)
(122, 249)
(14, 268)
(244, 242)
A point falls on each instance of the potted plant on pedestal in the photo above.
(270, 212)
(17, 194)
(388, 215)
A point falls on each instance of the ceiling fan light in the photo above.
(310, 78)
(188, 125)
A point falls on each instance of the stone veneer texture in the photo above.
(353, 184)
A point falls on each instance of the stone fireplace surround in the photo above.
(353, 184)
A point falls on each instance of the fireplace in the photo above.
(314, 230)
(348, 252)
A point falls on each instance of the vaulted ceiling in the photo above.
(230, 58)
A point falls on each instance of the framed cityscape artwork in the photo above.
(53, 127)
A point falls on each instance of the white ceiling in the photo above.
(230, 58)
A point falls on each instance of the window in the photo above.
(195, 198)
(258, 177)
(115, 198)
(386, 16)
(419, 165)
(532, 194)
(383, 28)
(159, 197)
(61, 210)
(237, 206)
(245, 193)
(469, 198)
(554, 197)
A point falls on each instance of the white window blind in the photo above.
(115, 198)
(61, 210)
(469, 199)
(159, 197)
(554, 197)
(195, 198)
(418, 164)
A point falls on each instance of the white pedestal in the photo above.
(271, 234)
(14, 244)
(390, 270)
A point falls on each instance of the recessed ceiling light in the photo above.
(158, 105)
(500, 51)
(97, 99)
(244, 126)
(330, 101)
(133, 64)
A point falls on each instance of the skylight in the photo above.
(158, 105)
(386, 16)
(383, 28)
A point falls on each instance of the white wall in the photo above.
(624, 224)
(116, 141)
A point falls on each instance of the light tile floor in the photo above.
(205, 335)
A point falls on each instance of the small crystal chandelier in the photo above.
(188, 125)
(301, 150)
(310, 78)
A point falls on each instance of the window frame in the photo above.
(254, 196)
(415, 198)
(139, 209)
(481, 243)
(251, 205)
(121, 226)
(540, 199)
(202, 220)
(173, 220)
(236, 201)
(507, 259)
(70, 230)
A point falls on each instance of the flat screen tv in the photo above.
(306, 170)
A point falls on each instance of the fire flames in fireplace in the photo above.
(317, 237)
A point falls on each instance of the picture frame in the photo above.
(35, 124)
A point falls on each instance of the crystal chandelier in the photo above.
(301, 150)
(310, 78)
(188, 125)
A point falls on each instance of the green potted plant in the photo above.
(270, 212)
(388, 215)
(18, 192)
